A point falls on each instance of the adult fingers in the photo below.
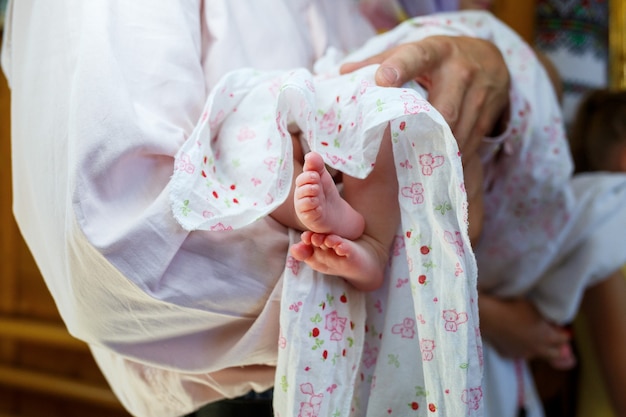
(401, 64)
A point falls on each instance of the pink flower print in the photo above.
(398, 244)
(553, 132)
(413, 104)
(274, 87)
(328, 123)
(336, 325)
(335, 159)
(406, 164)
(453, 319)
(401, 282)
(293, 264)
(415, 192)
(309, 85)
(456, 241)
(217, 119)
(271, 163)
(472, 397)
(430, 162)
(279, 125)
(207, 214)
(370, 355)
(282, 340)
(406, 329)
(220, 227)
(427, 346)
(364, 86)
(458, 270)
(245, 133)
(184, 164)
(310, 408)
(295, 306)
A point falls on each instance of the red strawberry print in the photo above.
(343, 298)
(414, 405)
(425, 250)
(421, 279)
(432, 407)
(315, 332)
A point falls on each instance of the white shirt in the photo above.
(84, 74)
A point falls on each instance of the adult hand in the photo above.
(516, 329)
(466, 78)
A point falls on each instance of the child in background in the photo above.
(598, 143)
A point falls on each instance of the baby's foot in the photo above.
(360, 262)
(318, 204)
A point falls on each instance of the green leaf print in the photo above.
(317, 318)
(185, 208)
(443, 207)
(393, 360)
(318, 344)
(350, 342)
(330, 299)
(283, 383)
(429, 265)
(379, 105)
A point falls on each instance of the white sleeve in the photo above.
(103, 95)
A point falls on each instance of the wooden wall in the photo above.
(43, 370)
(519, 15)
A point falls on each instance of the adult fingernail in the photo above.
(390, 75)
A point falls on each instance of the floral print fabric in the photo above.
(331, 350)
(412, 346)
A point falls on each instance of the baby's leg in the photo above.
(318, 204)
(362, 262)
